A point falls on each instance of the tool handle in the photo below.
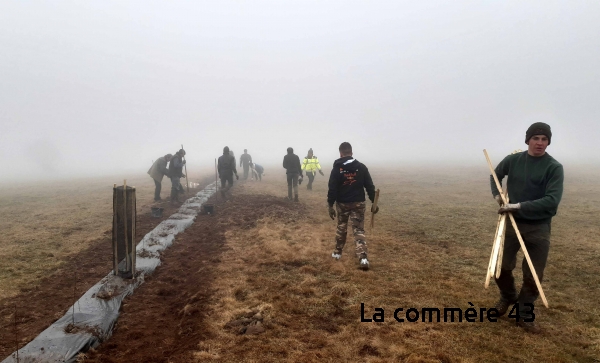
(375, 201)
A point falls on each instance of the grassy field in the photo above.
(429, 249)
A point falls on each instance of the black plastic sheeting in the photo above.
(95, 313)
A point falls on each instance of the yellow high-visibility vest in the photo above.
(311, 164)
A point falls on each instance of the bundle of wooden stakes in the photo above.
(495, 264)
(496, 257)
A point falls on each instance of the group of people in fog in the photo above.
(174, 171)
(534, 182)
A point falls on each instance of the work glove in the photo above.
(499, 200)
(183, 175)
(237, 177)
(374, 211)
(321, 172)
(509, 208)
(183, 162)
(300, 181)
(331, 212)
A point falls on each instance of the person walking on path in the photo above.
(347, 184)
(311, 165)
(535, 188)
(291, 163)
(226, 169)
(245, 160)
(157, 171)
(175, 173)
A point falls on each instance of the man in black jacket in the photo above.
(246, 160)
(291, 163)
(347, 183)
(175, 173)
(226, 168)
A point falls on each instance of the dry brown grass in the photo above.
(430, 249)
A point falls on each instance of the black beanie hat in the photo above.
(538, 128)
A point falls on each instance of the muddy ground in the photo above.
(41, 305)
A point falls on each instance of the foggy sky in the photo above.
(97, 87)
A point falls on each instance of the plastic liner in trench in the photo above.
(98, 309)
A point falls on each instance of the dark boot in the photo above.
(502, 305)
(296, 198)
(530, 326)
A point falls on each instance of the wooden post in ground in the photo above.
(74, 297)
(186, 176)
(516, 228)
(216, 181)
(133, 225)
(115, 249)
(16, 334)
(125, 225)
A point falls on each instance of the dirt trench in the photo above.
(39, 306)
(166, 318)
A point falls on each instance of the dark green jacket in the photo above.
(535, 182)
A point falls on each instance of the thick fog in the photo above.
(100, 87)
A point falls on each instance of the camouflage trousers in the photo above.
(355, 212)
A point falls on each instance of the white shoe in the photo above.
(337, 256)
(364, 263)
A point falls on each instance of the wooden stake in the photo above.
(374, 207)
(16, 334)
(125, 222)
(74, 297)
(186, 176)
(489, 274)
(133, 239)
(497, 244)
(501, 252)
(496, 235)
(115, 234)
(519, 237)
(216, 182)
(497, 253)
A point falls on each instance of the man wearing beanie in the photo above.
(535, 187)
(157, 171)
